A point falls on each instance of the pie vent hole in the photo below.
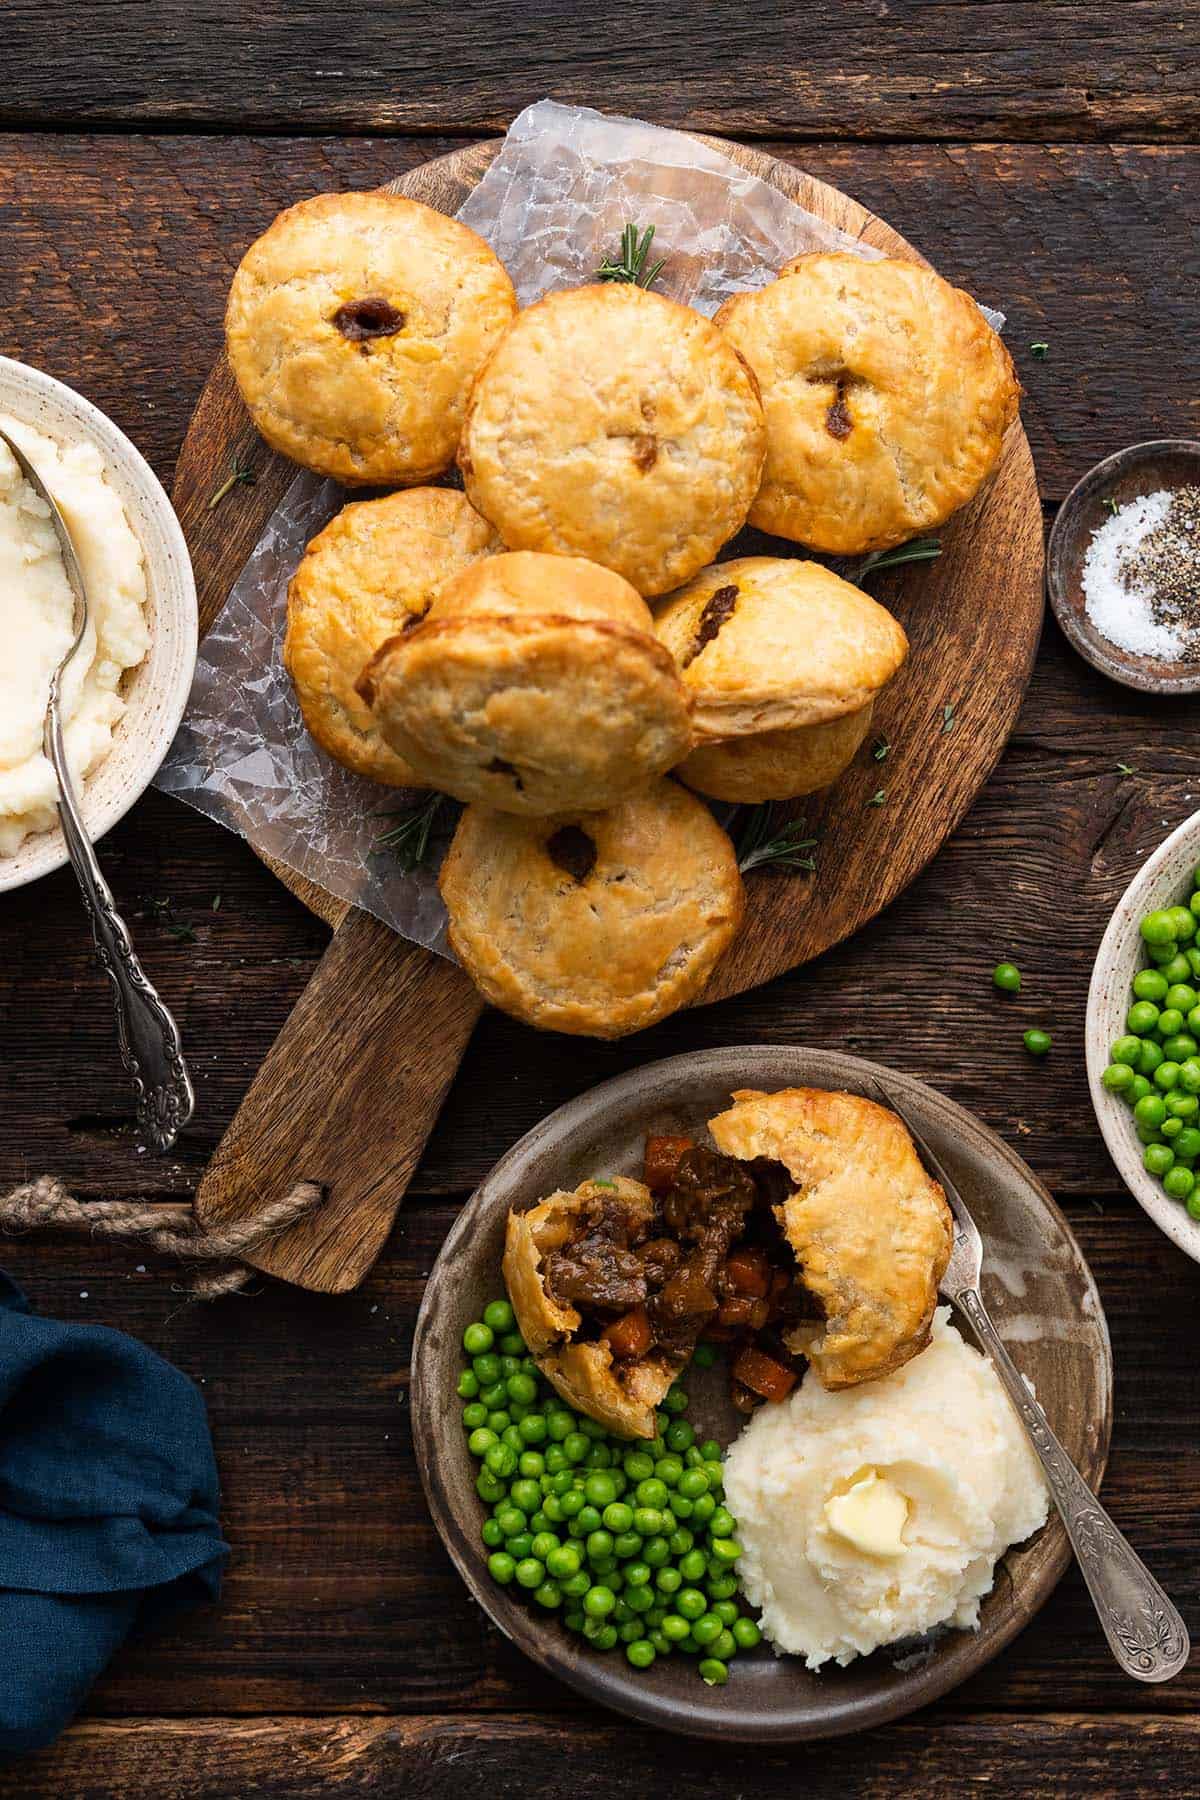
(373, 317)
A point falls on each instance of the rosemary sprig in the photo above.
(408, 840)
(1110, 501)
(878, 797)
(949, 717)
(632, 265)
(761, 844)
(239, 472)
(926, 549)
(881, 749)
(1041, 351)
(1125, 769)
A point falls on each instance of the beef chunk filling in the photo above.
(371, 318)
(573, 851)
(717, 609)
(597, 1269)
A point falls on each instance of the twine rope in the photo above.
(169, 1229)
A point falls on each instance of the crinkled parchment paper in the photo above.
(552, 205)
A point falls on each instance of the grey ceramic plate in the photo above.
(1036, 1284)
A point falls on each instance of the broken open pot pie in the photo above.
(782, 661)
(812, 1231)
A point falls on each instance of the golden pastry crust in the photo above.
(887, 396)
(355, 327)
(376, 567)
(596, 924)
(791, 644)
(776, 765)
(621, 1396)
(782, 660)
(615, 424)
(870, 1228)
(534, 686)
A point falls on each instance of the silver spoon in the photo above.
(1145, 1632)
(149, 1038)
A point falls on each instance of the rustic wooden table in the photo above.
(1045, 156)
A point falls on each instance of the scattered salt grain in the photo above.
(1141, 576)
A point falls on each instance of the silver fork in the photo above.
(1145, 1632)
(147, 1034)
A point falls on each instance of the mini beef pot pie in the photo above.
(543, 1266)
(887, 396)
(596, 924)
(355, 326)
(535, 684)
(812, 1231)
(374, 570)
(782, 661)
(869, 1227)
(615, 424)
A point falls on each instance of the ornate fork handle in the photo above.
(148, 1036)
(1144, 1631)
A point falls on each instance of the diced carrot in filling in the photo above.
(747, 1271)
(763, 1375)
(662, 1160)
(630, 1335)
(743, 1313)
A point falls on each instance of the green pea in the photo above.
(639, 1599)
(1192, 955)
(1179, 1047)
(1158, 927)
(501, 1567)
(680, 1436)
(600, 1488)
(489, 1487)
(575, 1446)
(1182, 996)
(617, 1516)
(703, 1509)
(1163, 955)
(674, 1628)
(1126, 1050)
(533, 1428)
(1037, 1042)
(722, 1587)
(1158, 1158)
(656, 1551)
(1141, 1087)
(651, 1493)
(693, 1565)
(1147, 1134)
(1142, 1017)
(548, 1594)
(726, 1611)
(486, 1367)
(491, 1533)
(721, 1524)
(599, 1544)
(1149, 1057)
(513, 1344)
(668, 1580)
(512, 1437)
(1151, 1111)
(746, 1633)
(599, 1456)
(638, 1574)
(519, 1545)
(1189, 1075)
(675, 1400)
(1169, 1022)
(527, 1495)
(640, 1653)
(498, 1316)
(694, 1482)
(1183, 921)
(1118, 1077)
(704, 1356)
(575, 1586)
(478, 1338)
(713, 1672)
(1007, 977)
(690, 1603)
(530, 1572)
(626, 1544)
(1187, 1144)
(501, 1459)
(1179, 1182)
(522, 1388)
(468, 1385)
(481, 1441)
(668, 1469)
(680, 1540)
(559, 1427)
(1166, 1075)
(726, 1549)
(706, 1629)
(1193, 1203)
(1192, 1021)
(532, 1467)
(499, 1422)
(638, 1466)
(1170, 1127)
(1150, 984)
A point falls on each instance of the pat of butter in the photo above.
(871, 1514)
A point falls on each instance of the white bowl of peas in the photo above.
(1143, 1037)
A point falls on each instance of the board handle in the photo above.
(346, 1098)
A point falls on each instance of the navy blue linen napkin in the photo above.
(108, 1509)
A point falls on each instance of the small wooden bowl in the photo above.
(1139, 469)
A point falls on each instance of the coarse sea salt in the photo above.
(1120, 610)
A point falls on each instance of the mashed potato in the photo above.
(35, 622)
(878, 1512)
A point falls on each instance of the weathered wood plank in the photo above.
(1031, 69)
(339, 1595)
(117, 251)
(1054, 1754)
(1033, 874)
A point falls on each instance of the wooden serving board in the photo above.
(351, 1088)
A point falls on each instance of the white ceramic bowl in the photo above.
(1163, 880)
(157, 690)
